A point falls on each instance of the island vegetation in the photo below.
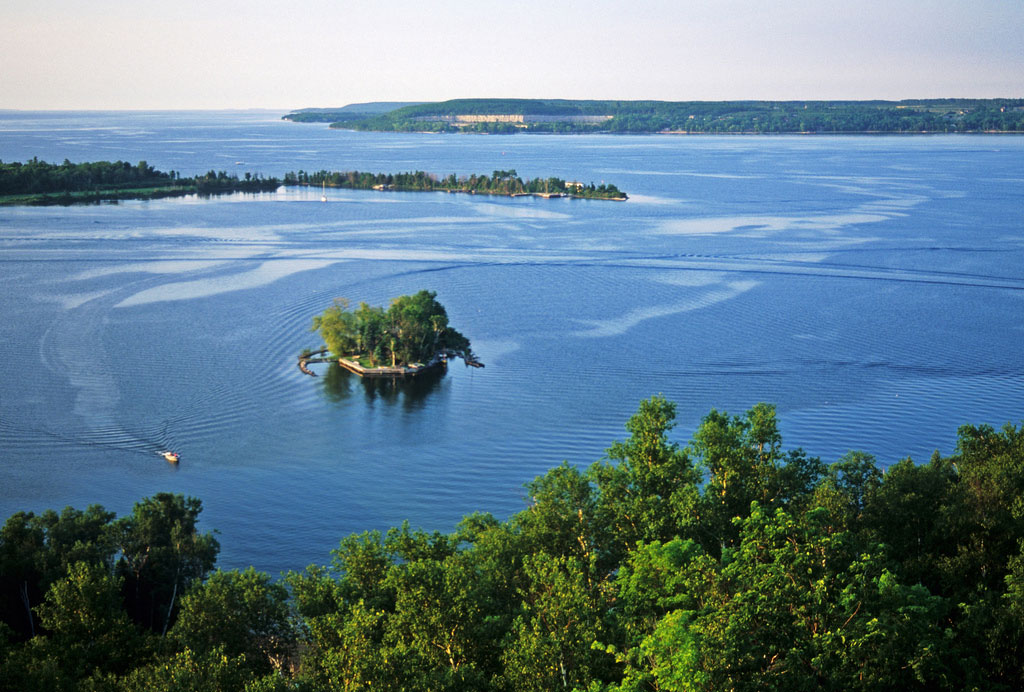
(712, 117)
(414, 330)
(37, 182)
(731, 563)
(507, 183)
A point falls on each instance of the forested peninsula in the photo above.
(731, 563)
(37, 182)
(682, 117)
(507, 183)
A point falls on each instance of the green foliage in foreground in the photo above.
(413, 329)
(37, 182)
(728, 564)
(498, 183)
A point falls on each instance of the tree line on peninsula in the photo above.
(37, 182)
(714, 117)
(500, 182)
(730, 563)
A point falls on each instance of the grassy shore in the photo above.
(96, 196)
(99, 196)
(38, 183)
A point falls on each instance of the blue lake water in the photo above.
(870, 287)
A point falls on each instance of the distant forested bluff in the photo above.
(37, 182)
(498, 183)
(728, 564)
(713, 117)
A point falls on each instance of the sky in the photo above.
(182, 54)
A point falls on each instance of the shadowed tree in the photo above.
(161, 554)
(89, 634)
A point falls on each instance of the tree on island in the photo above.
(414, 329)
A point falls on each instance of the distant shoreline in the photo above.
(746, 133)
(861, 133)
(575, 116)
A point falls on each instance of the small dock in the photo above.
(352, 364)
(410, 370)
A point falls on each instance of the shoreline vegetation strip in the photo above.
(500, 182)
(38, 183)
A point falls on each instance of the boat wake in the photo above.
(148, 444)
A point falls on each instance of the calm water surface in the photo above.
(870, 287)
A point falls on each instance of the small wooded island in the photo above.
(507, 183)
(37, 182)
(410, 337)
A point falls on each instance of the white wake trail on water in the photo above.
(617, 326)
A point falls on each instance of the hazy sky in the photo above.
(257, 54)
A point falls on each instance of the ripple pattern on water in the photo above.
(870, 288)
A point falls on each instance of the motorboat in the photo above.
(171, 457)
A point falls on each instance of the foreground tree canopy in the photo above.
(413, 329)
(729, 564)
